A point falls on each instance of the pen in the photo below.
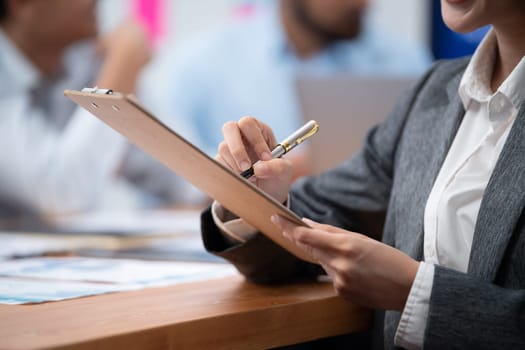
(289, 143)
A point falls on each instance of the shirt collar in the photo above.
(20, 72)
(475, 83)
(514, 86)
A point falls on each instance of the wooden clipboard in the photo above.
(125, 115)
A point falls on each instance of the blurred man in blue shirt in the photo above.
(56, 158)
(249, 66)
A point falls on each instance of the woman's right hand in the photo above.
(250, 141)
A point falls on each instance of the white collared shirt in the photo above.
(46, 167)
(453, 204)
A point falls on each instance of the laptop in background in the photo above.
(346, 107)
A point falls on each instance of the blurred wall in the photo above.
(184, 18)
(407, 18)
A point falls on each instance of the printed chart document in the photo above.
(16, 245)
(35, 280)
(126, 116)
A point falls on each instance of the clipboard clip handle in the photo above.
(97, 90)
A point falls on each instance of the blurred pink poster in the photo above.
(150, 14)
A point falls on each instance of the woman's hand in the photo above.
(363, 270)
(249, 141)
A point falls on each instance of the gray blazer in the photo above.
(382, 191)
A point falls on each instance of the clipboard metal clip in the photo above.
(97, 90)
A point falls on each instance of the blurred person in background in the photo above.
(249, 66)
(56, 158)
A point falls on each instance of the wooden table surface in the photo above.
(226, 313)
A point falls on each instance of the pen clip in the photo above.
(300, 135)
(312, 131)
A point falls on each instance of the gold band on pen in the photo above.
(286, 146)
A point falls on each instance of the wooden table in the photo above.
(226, 313)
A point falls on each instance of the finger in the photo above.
(311, 251)
(333, 229)
(284, 225)
(226, 158)
(329, 271)
(323, 227)
(276, 168)
(324, 243)
(234, 140)
(258, 135)
(268, 135)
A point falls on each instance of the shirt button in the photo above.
(497, 103)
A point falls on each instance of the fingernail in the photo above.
(266, 156)
(308, 221)
(275, 219)
(244, 165)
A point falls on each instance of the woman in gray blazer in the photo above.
(440, 182)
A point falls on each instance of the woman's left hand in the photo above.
(363, 270)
